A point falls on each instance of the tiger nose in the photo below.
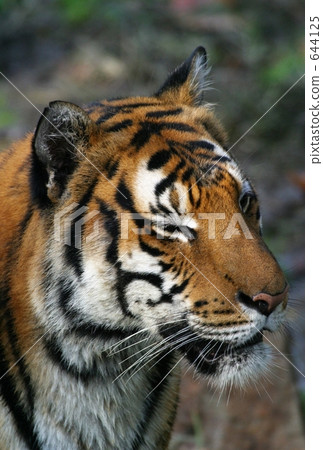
(266, 303)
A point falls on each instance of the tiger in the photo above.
(131, 243)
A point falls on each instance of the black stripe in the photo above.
(109, 112)
(73, 255)
(11, 397)
(159, 382)
(65, 294)
(124, 197)
(179, 127)
(180, 288)
(199, 200)
(128, 277)
(159, 159)
(169, 112)
(191, 198)
(8, 384)
(112, 110)
(165, 298)
(121, 286)
(221, 158)
(153, 251)
(136, 105)
(185, 230)
(148, 129)
(192, 145)
(119, 126)
(113, 228)
(165, 266)
(112, 168)
(208, 169)
(111, 224)
(211, 157)
(169, 180)
(142, 222)
(218, 177)
(96, 331)
(178, 270)
(181, 150)
(171, 228)
(23, 225)
(143, 135)
(163, 208)
(187, 174)
(88, 193)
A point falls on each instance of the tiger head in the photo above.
(153, 226)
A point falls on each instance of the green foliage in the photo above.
(108, 13)
(76, 12)
(4, 4)
(285, 67)
(7, 118)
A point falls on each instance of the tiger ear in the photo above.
(60, 139)
(186, 83)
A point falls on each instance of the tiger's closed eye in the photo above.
(173, 230)
(184, 230)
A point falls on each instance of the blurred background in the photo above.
(82, 51)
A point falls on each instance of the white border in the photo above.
(314, 245)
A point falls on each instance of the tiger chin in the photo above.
(130, 241)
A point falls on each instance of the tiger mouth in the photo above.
(206, 355)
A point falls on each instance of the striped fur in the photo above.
(96, 312)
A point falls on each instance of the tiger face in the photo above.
(154, 229)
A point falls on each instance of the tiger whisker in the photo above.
(172, 349)
(144, 330)
(142, 349)
(151, 353)
(178, 346)
(200, 356)
(167, 374)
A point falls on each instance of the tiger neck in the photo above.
(112, 370)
